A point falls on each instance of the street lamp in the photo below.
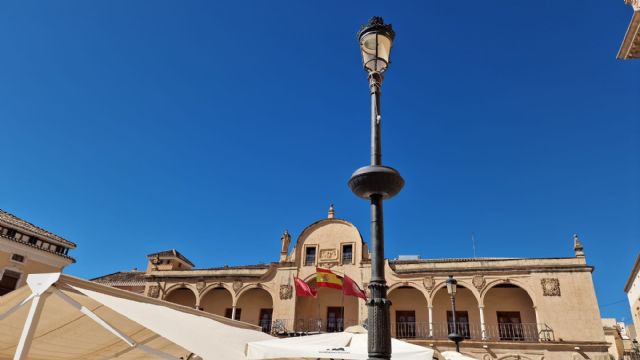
(376, 183)
(452, 285)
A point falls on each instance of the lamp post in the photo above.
(452, 284)
(376, 183)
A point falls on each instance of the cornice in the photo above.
(632, 276)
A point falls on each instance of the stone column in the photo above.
(233, 312)
(431, 321)
(483, 327)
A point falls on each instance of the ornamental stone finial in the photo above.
(633, 3)
(577, 246)
(332, 212)
(286, 240)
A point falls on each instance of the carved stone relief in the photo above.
(550, 287)
(154, 291)
(200, 285)
(429, 283)
(328, 254)
(237, 285)
(286, 292)
(479, 282)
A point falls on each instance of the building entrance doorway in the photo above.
(265, 319)
(335, 318)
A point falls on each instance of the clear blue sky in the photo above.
(210, 127)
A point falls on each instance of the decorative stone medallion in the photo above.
(478, 281)
(200, 285)
(154, 291)
(286, 292)
(328, 254)
(237, 285)
(550, 287)
(429, 282)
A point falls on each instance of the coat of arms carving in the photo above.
(429, 282)
(154, 291)
(286, 292)
(550, 287)
(328, 254)
(200, 285)
(478, 281)
(237, 285)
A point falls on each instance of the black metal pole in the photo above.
(453, 318)
(377, 183)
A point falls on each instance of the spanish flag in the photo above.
(328, 278)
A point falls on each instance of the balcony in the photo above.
(530, 332)
(419, 331)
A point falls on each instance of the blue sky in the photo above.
(210, 127)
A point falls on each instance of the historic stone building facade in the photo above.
(630, 47)
(632, 288)
(508, 308)
(26, 249)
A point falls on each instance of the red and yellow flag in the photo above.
(328, 278)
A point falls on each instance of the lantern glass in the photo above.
(376, 50)
(452, 284)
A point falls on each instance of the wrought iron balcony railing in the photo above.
(530, 332)
(474, 331)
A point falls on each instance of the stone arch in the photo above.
(514, 357)
(254, 286)
(461, 283)
(468, 318)
(181, 294)
(255, 304)
(409, 311)
(215, 286)
(313, 314)
(497, 282)
(510, 312)
(217, 299)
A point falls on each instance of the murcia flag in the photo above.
(328, 278)
(350, 288)
(303, 289)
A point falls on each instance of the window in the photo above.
(462, 323)
(33, 240)
(510, 325)
(265, 320)
(347, 254)
(60, 250)
(405, 324)
(17, 258)
(229, 311)
(9, 281)
(310, 256)
(11, 233)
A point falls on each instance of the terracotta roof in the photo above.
(172, 252)
(121, 277)
(25, 225)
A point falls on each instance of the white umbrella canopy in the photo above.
(59, 317)
(350, 344)
(452, 355)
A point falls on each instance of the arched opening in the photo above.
(467, 314)
(409, 313)
(330, 311)
(509, 313)
(218, 301)
(182, 296)
(256, 307)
